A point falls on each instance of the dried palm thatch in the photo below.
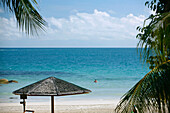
(51, 86)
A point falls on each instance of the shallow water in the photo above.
(116, 69)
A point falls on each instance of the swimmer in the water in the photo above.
(95, 81)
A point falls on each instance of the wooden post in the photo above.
(52, 104)
(24, 105)
(23, 96)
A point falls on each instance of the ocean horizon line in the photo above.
(62, 47)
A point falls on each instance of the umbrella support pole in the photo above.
(23, 105)
(23, 96)
(52, 104)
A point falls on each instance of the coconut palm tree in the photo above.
(155, 40)
(26, 14)
(152, 92)
(155, 37)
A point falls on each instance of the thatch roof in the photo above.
(51, 86)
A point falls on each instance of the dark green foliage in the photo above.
(151, 94)
(160, 6)
(154, 38)
(28, 18)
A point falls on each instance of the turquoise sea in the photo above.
(116, 69)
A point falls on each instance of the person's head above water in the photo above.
(95, 81)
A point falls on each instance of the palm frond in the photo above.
(154, 39)
(151, 94)
(28, 18)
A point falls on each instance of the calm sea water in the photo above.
(116, 69)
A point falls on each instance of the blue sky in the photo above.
(80, 23)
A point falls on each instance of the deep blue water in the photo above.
(116, 69)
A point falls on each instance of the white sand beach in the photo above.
(62, 107)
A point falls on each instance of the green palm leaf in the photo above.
(154, 39)
(28, 18)
(150, 94)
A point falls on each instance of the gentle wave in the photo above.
(121, 78)
(34, 73)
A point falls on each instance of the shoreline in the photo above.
(78, 106)
(64, 102)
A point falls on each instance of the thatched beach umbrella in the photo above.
(50, 87)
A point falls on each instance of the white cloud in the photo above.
(98, 25)
(8, 29)
(82, 26)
